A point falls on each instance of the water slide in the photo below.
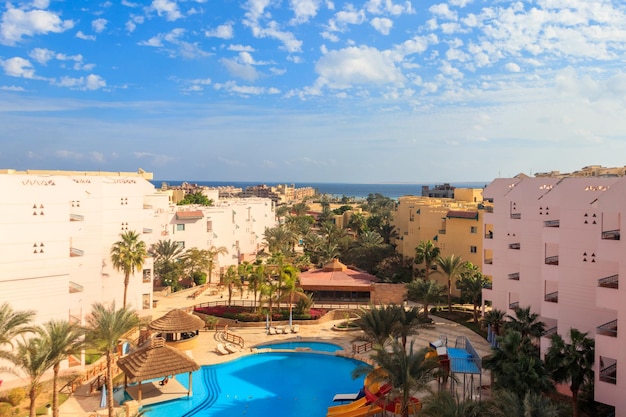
(359, 408)
(364, 411)
(340, 410)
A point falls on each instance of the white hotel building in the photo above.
(57, 229)
(556, 247)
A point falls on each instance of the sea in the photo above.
(336, 189)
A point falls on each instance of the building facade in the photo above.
(554, 244)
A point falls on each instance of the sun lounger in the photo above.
(295, 328)
(221, 349)
(345, 397)
(271, 330)
(231, 348)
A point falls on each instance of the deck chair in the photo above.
(271, 330)
(231, 348)
(295, 328)
(221, 349)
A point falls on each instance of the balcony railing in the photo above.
(609, 282)
(489, 235)
(552, 297)
(611, 234)
(609, 374)
(516, 216)
(489, 261)
(514, 276)
(147, 230)
(552, 260)
(552, 223)
(608, 329)
(514, 305)
(442, 231)
(515, 246)
(76, 252)
(488, 286)
(549, 332)
(76, 217)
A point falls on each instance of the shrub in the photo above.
(6, 410)
(15, 396)
(199, 278)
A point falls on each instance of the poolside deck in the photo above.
(153, 393)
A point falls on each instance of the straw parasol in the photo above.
(156, 360)
(177, 321)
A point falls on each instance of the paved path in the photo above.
(81, 404)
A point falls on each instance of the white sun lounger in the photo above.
(221, 349)
(271, 330)
(295, 328)
(345, 397)
(231, 348)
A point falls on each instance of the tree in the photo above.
(495, 319)
(290, 284)
(471, 286)
(425, 292)
(525, 322)
(196, 260)
(105, 327)
(12, 323)
(444, 404)
(128, 255)
(388, 232)
(280, 239)
(269, 290)
(167, 267)
(256, 280)
(63, 339)
(572, 362)
(196, 198)
(357, 223)
(408, 324)
(33, 356)
(378, 323)
(231, 279)
(505, 403)
(451, 267)
(212, 255)
(426, 253)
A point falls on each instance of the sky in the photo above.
(313, 90)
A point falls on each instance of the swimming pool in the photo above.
(300, 344)
(277, 384)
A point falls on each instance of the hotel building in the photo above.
(554, 244)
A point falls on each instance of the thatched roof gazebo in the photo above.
(156, 360)
(179, 328)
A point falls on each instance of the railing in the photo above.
(552, 260)
(229, 337)
(549, 332)
(442, 231)
(514, 245)
(552, 223)
(609, 282)
(489, 261)
(464, 365)
(489, 235)
(608, 329)
(516, 216)
(363, 347)
(514, 305)
(514, 276)
(76, 252)
(76, 217)
(552, 297)
(488, 286)
(611, 234)
(609, 374)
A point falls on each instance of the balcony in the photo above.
(609, 374)
(611, 234)
(608, 329)
(76, 252)
(489, 261)
(552, 223)
(147, 230)
(609, 282)
(76, 217)
(552, 260)
(552, 297)
(516, 216)
(514, 305)
(516, 246)
(514, 276)
(488, 286)
(442, 231)
(489, 235)
(549, 332)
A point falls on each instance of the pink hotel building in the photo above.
(554, 244)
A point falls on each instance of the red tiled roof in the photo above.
(189, 215)
(336, 277)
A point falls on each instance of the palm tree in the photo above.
(63, 339)
(231, 279)
(525, 322)
(212, 255)
(128, 255)
(166, 251)
(280, 239)
(388, 232)
(408, 372)
(408, 324)
(451, 267)
(378, 323)
(572, 362)
(357, 223)
(196, 260)
(256, 280)
(105, 327)
(505, 403)
(425, 292)
(12, 324)
(426, 253)
(245, 271)
(289, 284)
(33, 356)
(269, 289)
(444, 404)
(471, 286)
(495, 319)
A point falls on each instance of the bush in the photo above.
(15, 396)
(199, 278)
(6, 410)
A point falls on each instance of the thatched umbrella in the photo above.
(156, 360)
(176, 322)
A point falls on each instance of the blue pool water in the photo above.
(277, 384)
(318, 346)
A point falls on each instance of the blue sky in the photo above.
(313, 90)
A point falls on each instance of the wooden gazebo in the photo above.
(154, 361)
(178, 328)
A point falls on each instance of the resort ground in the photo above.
(81, 403)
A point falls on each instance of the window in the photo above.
(180, 227)
(473, 229)
(145, 301)
(180, 244)
(473, 249)
(147, 275)
(209, 225)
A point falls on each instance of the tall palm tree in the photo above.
(495, 319)
(33, 357)
(166, 251)
(256, 280)
(425, 292)
(426, 253)
(128, 255)
(232, 280)
(506, 403)
(378, 323)
(444, 404)
(409, 323)
(290, 284)
(357, 223)
(196, 260)
(280, 239)
(105, 327)
(12, 324)
(63, 339)
(451, 267)
(471, 286)
(212, 254)
(525, 322)
(571, 362)
(269, 291)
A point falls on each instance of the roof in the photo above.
(336, 276)
(189, 215)
(177, 321)
(458, 214)
(155, 361)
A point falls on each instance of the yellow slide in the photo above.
(365, 411)
(337, 410)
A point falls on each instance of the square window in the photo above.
(180, 244)
(180, 227)
(146, 301)
(473, 249)
(473, 229)
(147, 275)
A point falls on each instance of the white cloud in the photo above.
(167, 8)
(81, 35)
(41, 55)
(512, 67)
(18, 67)
(182, 48)
(442, 10)
(12, 88)
(303, 10)
(240, 48)
(388, 7)
(233, 87)
(17, 23)
(382, 24)
(224, 31)
(99, 25)
(255, 12)
(241, 67)
(460, 3)
(90, 82)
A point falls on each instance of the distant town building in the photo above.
(439, 191)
